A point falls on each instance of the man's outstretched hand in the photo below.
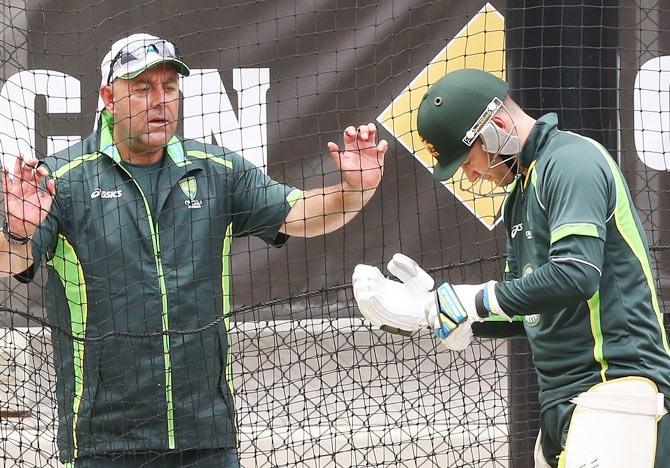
(26, 202)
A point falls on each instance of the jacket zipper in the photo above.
(155, 244)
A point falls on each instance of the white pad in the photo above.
(614, 425)
(538, 456)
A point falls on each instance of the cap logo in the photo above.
(431, 149)
(472, 134)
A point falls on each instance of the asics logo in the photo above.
(517, 228)
(106, 193)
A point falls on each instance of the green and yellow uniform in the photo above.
(579, 272)
(131, 259)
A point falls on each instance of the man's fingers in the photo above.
(350, 131)
(368, 133)
(24, 180)
(5, 188)
(349, 135)
(27, 169)
(39, 175)
(364, 132)
(27, 178)
(372, 131)
(333, 148)
(381, 149)
(31, 162)
(42, 171)
(51, 187)
(363, 137)
(18, 161)
(6, 182)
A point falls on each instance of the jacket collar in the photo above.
(177, 164)
(544, 127)
(175, 148)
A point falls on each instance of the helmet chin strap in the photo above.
(498, 141)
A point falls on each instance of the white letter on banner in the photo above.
(17, 110)
(651, 111)
(208, 112)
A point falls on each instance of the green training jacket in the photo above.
(578, 269)
(120, 275)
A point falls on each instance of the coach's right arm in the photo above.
(28, 198)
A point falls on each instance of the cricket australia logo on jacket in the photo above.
(189, 187)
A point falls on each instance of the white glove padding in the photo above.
(392, 304)
(457, 313)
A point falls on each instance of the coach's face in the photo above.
(145, 109)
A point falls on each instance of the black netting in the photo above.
(271, 339)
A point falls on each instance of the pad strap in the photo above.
(647, 405)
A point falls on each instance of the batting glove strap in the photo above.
(451, 311)
(487, 304)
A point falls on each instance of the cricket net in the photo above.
(314, 385)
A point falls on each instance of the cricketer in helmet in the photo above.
(468, 121)
(577, 280)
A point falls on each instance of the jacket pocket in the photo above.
(130, 401)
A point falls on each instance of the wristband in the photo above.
(489, 302)
(481, 304)
(11, 238)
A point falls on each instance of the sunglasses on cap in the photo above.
(130, 62)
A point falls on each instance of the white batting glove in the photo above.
(394, 305)
(411, 304)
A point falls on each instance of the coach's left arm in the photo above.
(323, 210)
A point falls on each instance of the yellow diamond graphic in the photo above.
(480, 44)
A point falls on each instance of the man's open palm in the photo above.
(362, 161)
(26, 204)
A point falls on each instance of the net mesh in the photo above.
(313, 384)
